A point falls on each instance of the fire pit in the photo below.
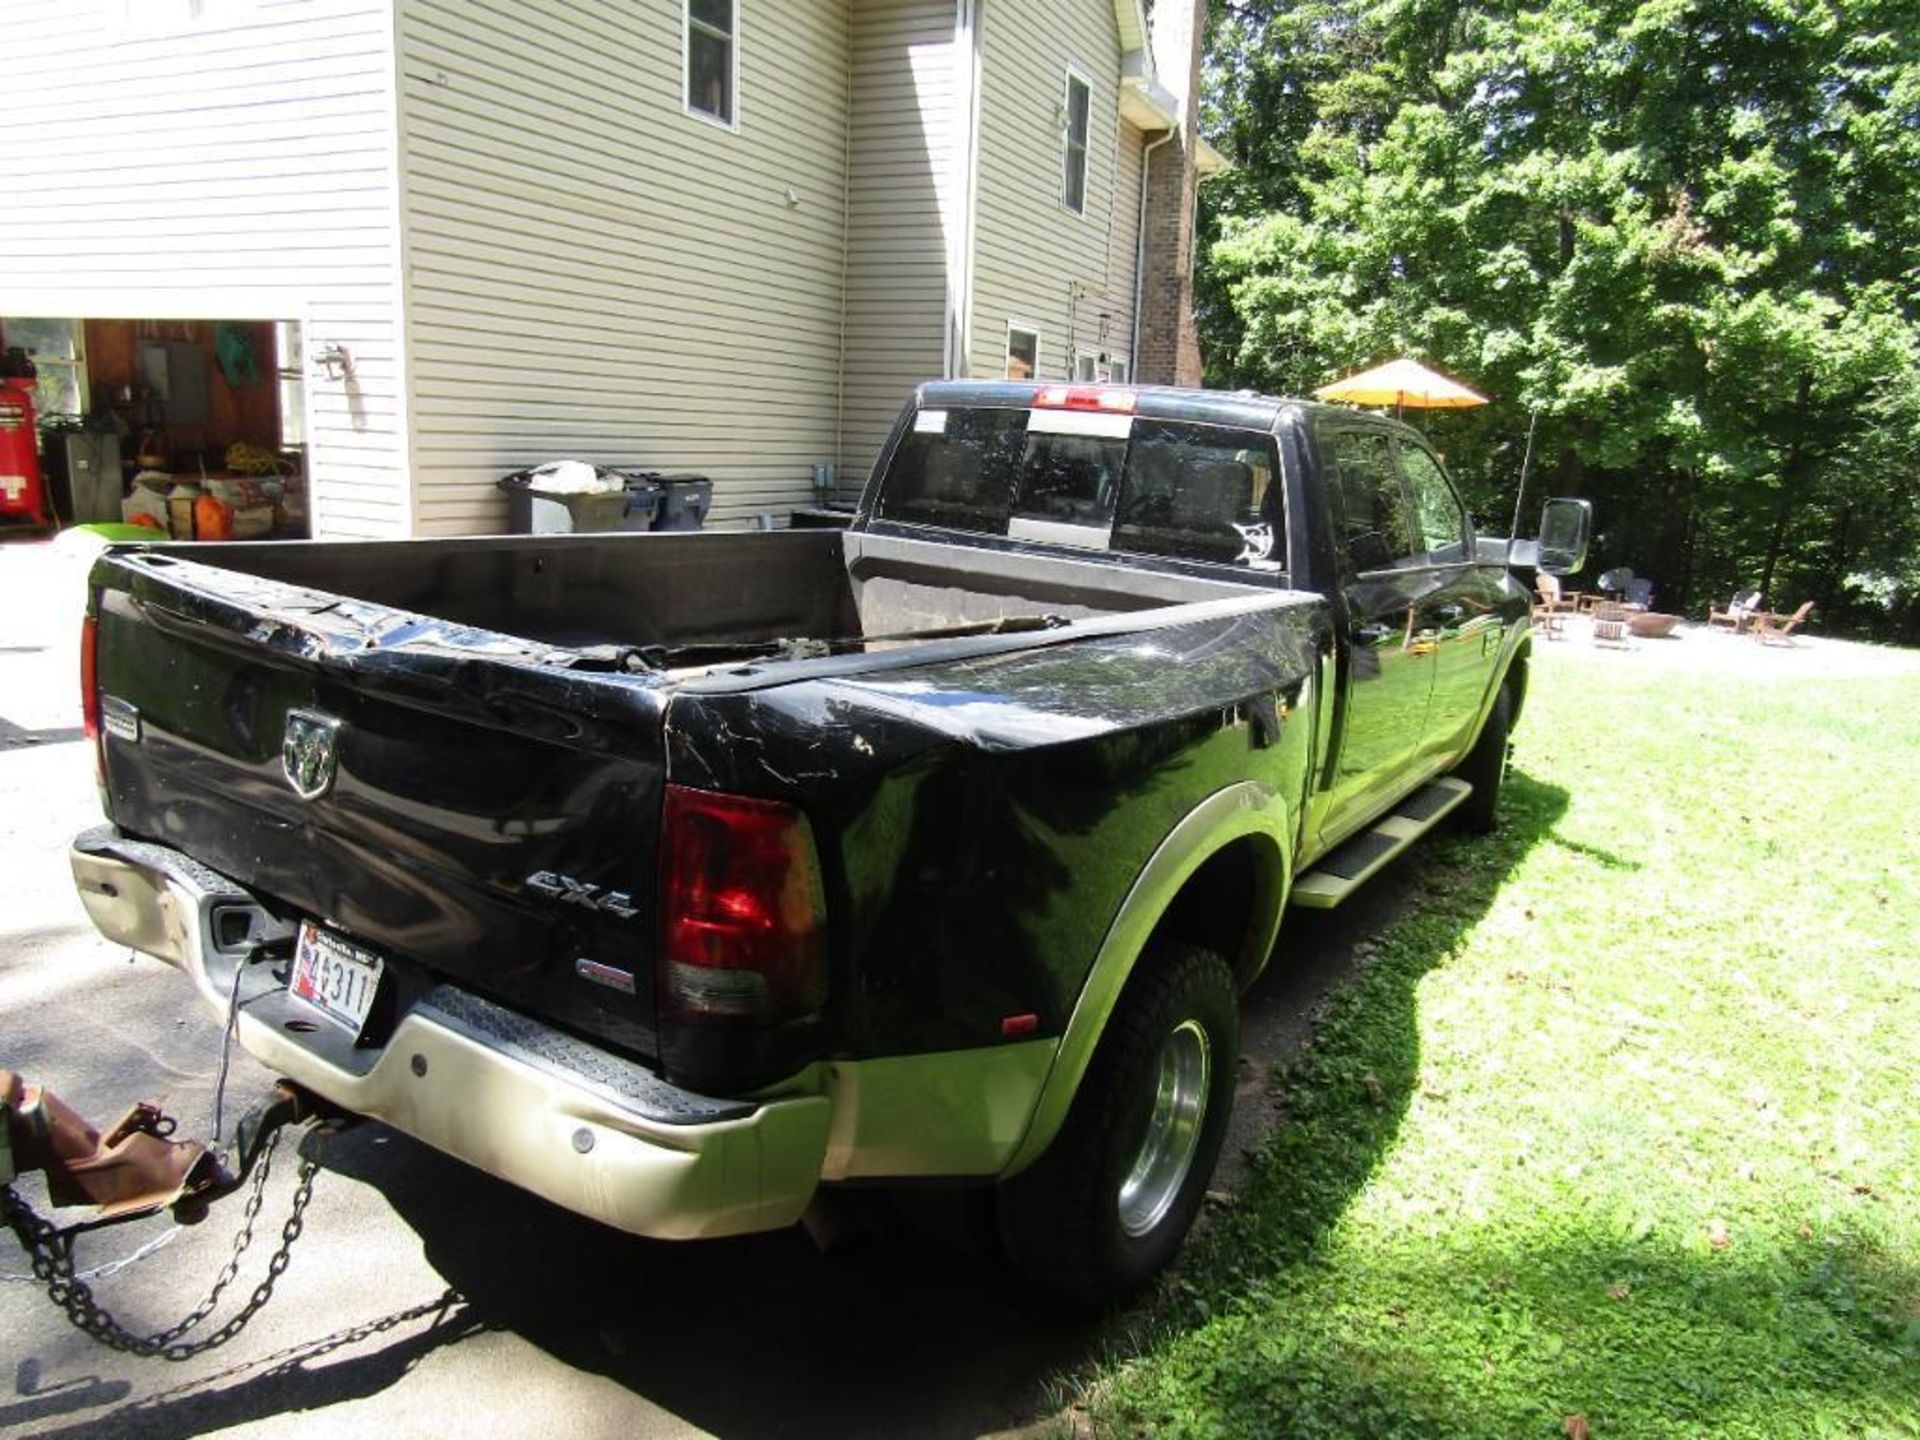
(1651, 624)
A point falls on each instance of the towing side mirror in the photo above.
(1565, 526)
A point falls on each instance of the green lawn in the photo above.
(1619, 1123)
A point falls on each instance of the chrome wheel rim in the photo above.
(1172, 1136)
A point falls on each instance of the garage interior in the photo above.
(192, 429)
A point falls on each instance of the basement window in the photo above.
(1078, 121)
(712, 54)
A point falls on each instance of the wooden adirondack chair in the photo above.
(1550, 606)
(1769, 628)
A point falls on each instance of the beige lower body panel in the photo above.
(526, 1125)
(565, 1143)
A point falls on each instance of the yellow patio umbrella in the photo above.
(1403, 384)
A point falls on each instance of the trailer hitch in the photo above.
(133, 1169)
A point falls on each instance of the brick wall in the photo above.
(1169, 346)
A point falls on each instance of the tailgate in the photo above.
(477, 808)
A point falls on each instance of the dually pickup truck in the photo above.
(676, 877)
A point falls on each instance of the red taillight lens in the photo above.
(741, 910)
(90, 677)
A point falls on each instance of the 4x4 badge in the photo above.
(310, 752)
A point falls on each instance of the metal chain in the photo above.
(52, 1255)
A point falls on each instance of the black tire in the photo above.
(1061, 1219)
(1485, 768)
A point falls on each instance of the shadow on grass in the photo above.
(1345, 1096)
(1507, 1336)
(1502, 1332)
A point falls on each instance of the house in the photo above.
(451, 238)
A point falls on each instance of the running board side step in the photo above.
(1357, 859)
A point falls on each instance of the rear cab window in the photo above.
(1091, 479)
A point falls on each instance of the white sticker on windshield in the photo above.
(1100, 424)
(930, 422)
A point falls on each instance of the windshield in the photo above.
(1094, 480)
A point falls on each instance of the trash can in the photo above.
(684, 501)
(571, 498)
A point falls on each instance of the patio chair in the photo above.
(1768, 627)
(1640, 592)
(1739, 612)
(1610, 624)
(1550, 606)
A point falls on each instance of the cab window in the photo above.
(1443, 526)
(1375, 520)
(1200, 492)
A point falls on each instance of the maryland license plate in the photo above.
(335, 977)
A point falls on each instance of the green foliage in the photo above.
(1686, 233)
(1615, 1121)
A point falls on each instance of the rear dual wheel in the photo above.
(1109, 1203)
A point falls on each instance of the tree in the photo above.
(1685, 232)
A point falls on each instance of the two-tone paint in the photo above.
(1004, 822)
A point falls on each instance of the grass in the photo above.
(1614, 1132)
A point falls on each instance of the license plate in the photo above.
(335, 977)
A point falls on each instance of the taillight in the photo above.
(1114, 400)
(90, 686)
(743, 935)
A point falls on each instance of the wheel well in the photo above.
(1226, 905)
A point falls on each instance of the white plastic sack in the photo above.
(573, 477)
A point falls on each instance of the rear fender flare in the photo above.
(1226, 816)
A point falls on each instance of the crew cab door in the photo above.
(1384, 578)
(1457, 603)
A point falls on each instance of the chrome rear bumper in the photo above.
(582, 1127)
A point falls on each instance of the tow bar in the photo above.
(135, 1169)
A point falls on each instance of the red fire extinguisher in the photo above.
(23, 494)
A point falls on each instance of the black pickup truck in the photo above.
(675, 877)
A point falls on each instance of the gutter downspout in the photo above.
(960, 255)
(1140, 255)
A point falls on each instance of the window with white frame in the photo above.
(59, 352)
(1118, 370)
(712, 49)
(290, 382)
(1023, 353)
(1078, 126)
(1086, 367)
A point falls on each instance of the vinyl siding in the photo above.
(903, 214)
(593, 273)
(1029, 249)
(238, 165)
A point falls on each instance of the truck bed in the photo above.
(674, 592)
